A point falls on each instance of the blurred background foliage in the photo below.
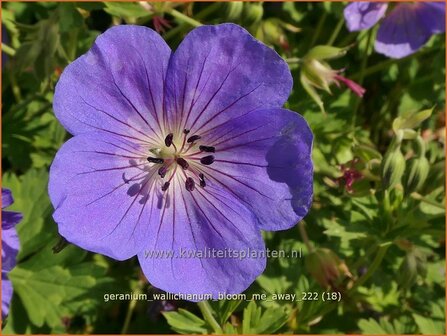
(376, 231)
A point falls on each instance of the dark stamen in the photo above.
(207, 160)
(162, 171)
(183, 163)
(165, 186)
(193, 138)
(190, 184)
(185, 131)
(208, 149)
(168, 139)
(202, 180)
(155, 160)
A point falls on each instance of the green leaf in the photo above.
(31, 199)
(412, 121)
(312, 92)
(225, 308)
(371, 327)
(184, 322)
(323, 52)
(127, 10)
(53, 286)
(428, 325)
(257, 322)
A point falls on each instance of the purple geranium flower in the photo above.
(404, 30)
(10, 247)
(181, 158)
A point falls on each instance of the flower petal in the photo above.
(432, 15)
(363, 15)
(202, 221)
(104, 194)
(6, 295)
(401, 32)
(220, 72)
(264, 160)
(10, 219)
(7, 198)
(10, 248)
(117, 86)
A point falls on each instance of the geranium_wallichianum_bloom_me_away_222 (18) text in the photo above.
(185, 150)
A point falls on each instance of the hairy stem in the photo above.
(184, 18)
(8, 50)
(305, 237)
(207, 313)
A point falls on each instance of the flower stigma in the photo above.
(186, 155)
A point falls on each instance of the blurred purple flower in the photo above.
(404, 30)
(185, 151)
(10, 247)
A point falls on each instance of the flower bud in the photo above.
(393, 168)
(326, 267)
(412, 266)
(323, 52)
(316, 73)
(233, 10)
(252, 13)
(418, 169)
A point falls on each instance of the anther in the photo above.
(186, 131)
(168, 139)
(207, 160)
(162, 171)
(202, 180)
(165, 186)
(155, 160)
(190, 184)
(193, 138)
(208, 149)
(183, 163)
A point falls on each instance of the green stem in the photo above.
(184, 18)
(362, 76)
(336, 31)
(318, 29)
(305, 237)
(293, 60)
(132, 305)
(207, 313)
(362, 259)
(421, 198)
(8, 50)
(373, 267)
(208, 10)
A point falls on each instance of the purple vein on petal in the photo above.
(142, 209)
(232, 137)
(110, 154)
(118, 120)
(149, 86)
(204, 214)
(115, 189)
(193, 101)
(226, 108)
(110, 169)
(246, 143)
(111, 132)
(133, 107)
(140, 154)
(235, 179)
(212, 98)
(190, 226)
(224, 123)
(149, 179)
(218, 210)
